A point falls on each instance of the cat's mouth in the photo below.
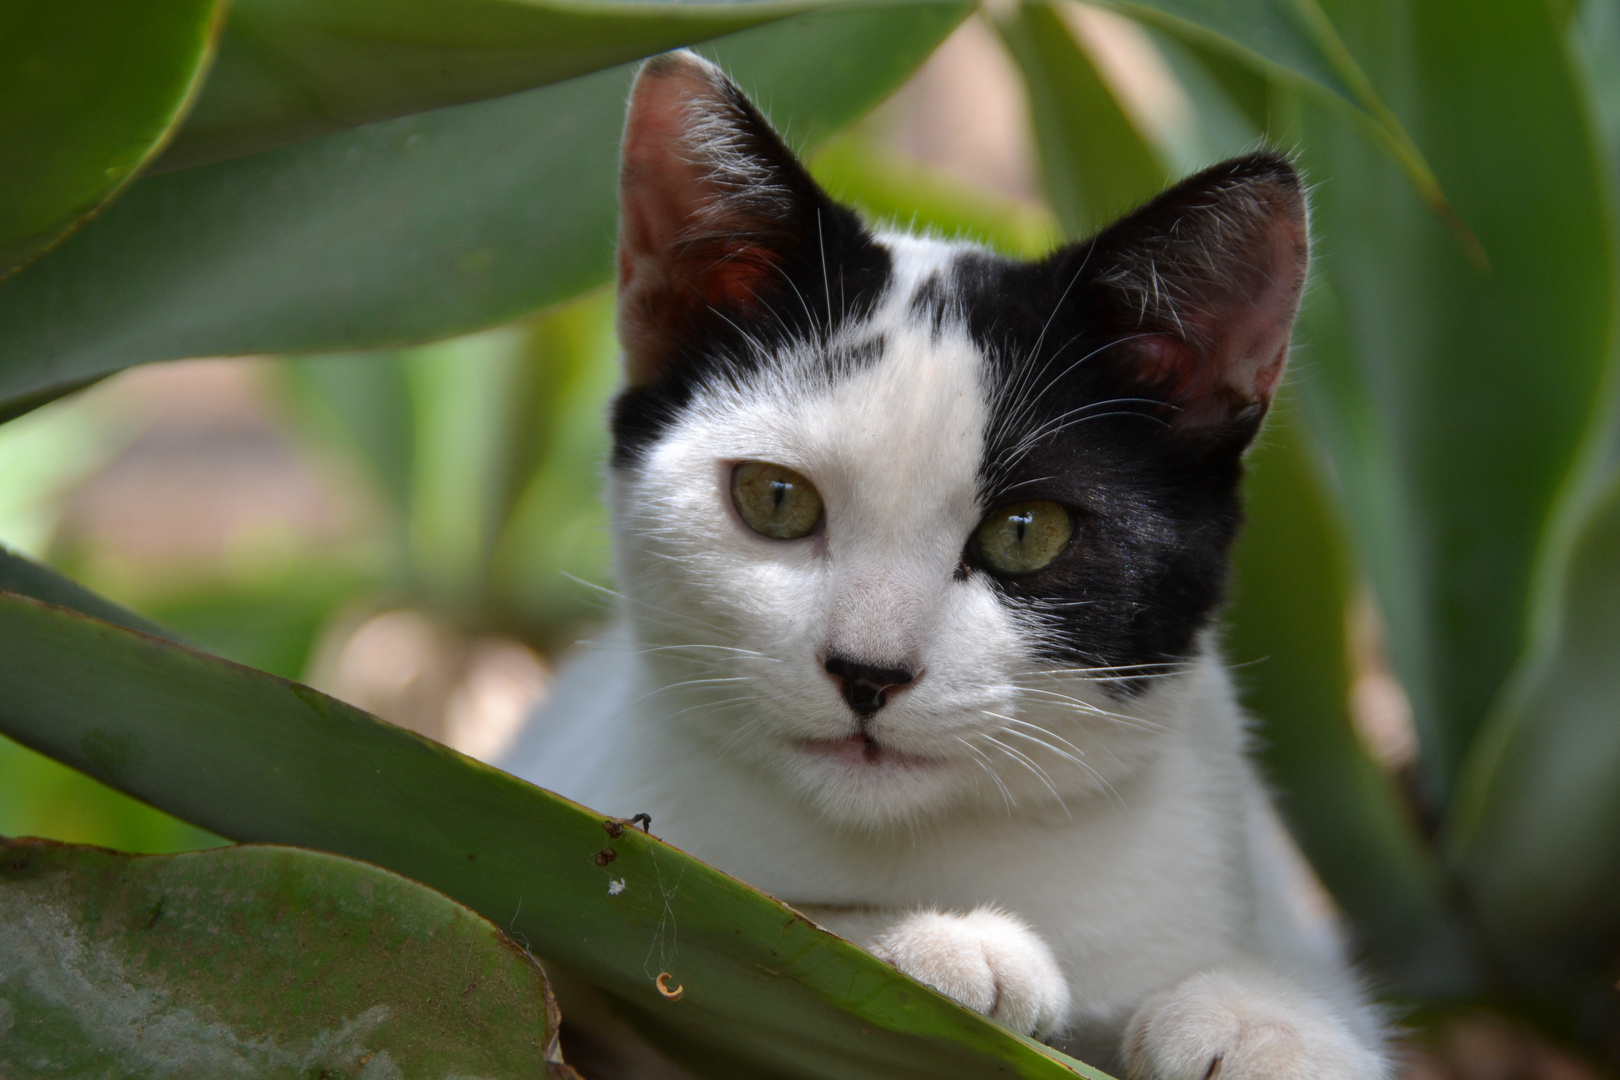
(863, 751)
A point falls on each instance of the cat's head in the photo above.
(905, 524)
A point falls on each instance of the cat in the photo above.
(921, 551)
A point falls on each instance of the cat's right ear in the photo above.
(712, 204)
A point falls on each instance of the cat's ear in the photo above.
(711, 205)
(1202, 285)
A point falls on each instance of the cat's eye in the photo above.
(775, 501)
(1023, 537)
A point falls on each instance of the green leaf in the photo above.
(407, 230)
(1537, 831)
(84, 102)
(290, 70)
(262, 961)
(1095, 164)
(1453, 401)
(257, 758)
(1294, 578)
(39, 796)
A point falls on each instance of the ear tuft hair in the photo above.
(710, 201)
(1205, 280)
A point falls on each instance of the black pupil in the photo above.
(1022, 521)
(779, 492)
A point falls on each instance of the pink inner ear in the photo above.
(662, 186)
(685, 227)
(1240, 345)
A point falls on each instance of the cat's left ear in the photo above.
(1201, 286)
(715, 214)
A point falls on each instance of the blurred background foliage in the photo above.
(1427, 612)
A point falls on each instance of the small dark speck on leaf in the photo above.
(605, 856)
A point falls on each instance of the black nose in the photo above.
(864, 684)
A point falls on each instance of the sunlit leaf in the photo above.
(900, 192)
(1095, 164)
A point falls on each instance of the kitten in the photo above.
(921, 551)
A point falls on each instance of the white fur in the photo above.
(1046, 854)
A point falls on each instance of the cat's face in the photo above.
(901, 523)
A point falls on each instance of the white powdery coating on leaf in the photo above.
(44, 956)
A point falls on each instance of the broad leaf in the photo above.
(85, 100)
(291, 70)
(1453, 400)
(255, 961)
(407, 230)
(254, 757)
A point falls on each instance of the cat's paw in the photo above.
(1244, 1026)
(988, 960)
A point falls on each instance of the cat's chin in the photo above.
(867, 783)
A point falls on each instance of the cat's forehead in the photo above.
(886, 400)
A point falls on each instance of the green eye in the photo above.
(775, 502)
(1023, 537)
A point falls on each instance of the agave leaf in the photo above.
(407, 230)
(262, 961)
(254, 757)
(1454, 403)
(84, 102)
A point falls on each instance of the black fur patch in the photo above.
(1075, 421)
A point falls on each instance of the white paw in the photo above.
(988, 960)
(1244, 1026)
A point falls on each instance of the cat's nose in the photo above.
(865, 685)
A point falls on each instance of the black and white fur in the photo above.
(1055, 821)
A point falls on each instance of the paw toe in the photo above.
(987, 960)
(1218, 1026)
